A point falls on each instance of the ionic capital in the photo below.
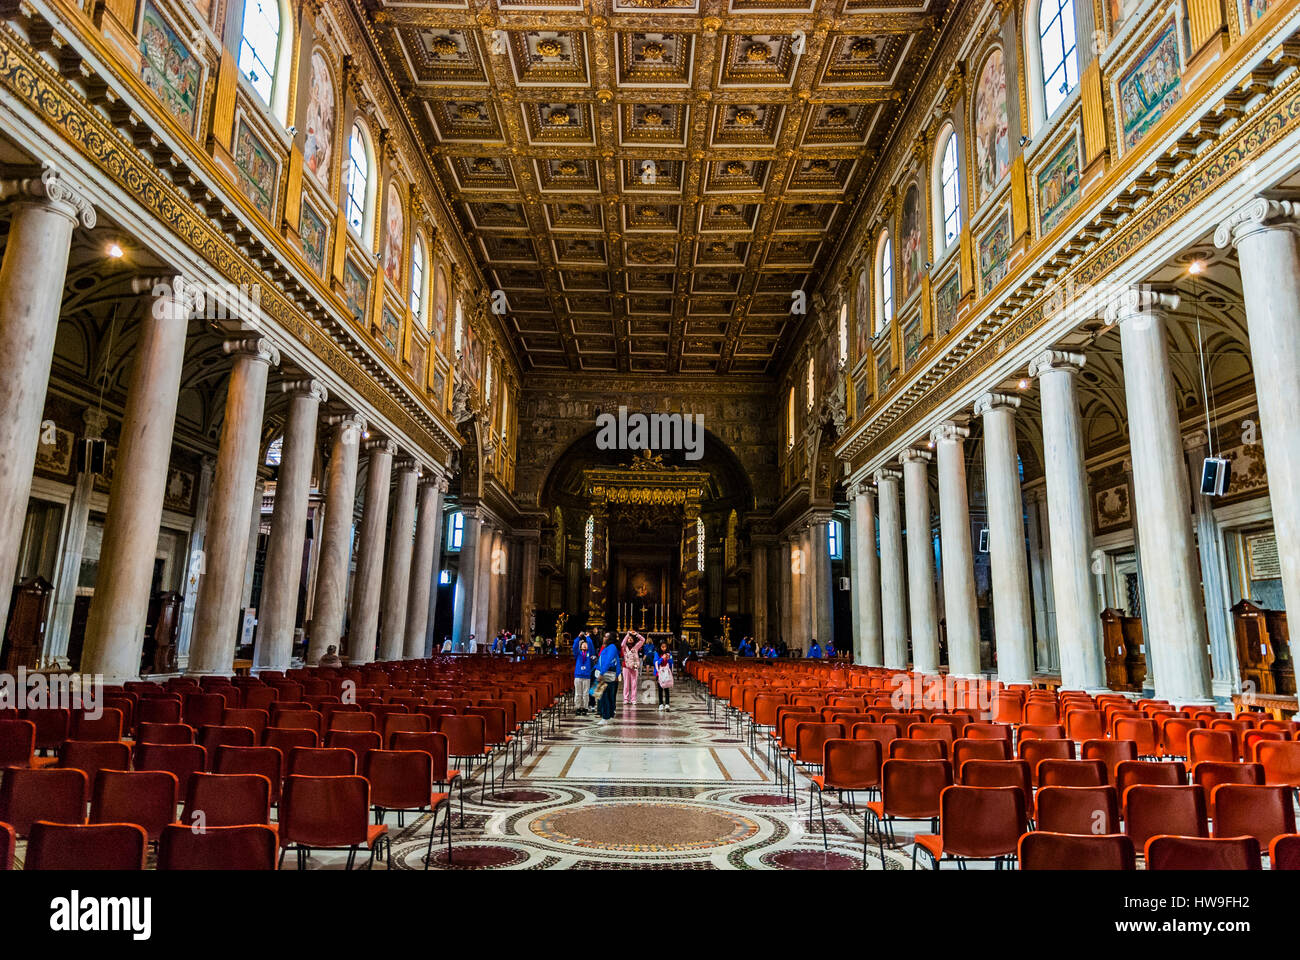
(949, 432)
(407, 465)
(1140, 303)
(255, 348)
(1053, 361)
(887, 475)
(306, 388)
(59, 194)
(913, 455)
(381, 446)
(1255, 216)
(173, 288)
(996, 401)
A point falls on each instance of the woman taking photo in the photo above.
(583, 667)
(631, 663)
(664, 675)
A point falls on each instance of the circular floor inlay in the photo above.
(809, 860)
(478, 857)
(523, 796)
(644, 827)
(764, 799)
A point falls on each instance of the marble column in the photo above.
(959, 605)
(528, 584)
(868, 646)
(118, 611)
(823, 614)
(1069, 520)
(807, 627)
(786, 571)
(32, 278)
(482, 622)
(1174, 617)
(196, 561)
(284, 550)
(73, 547)
(1264, 233)
(397, 563)
(424, 569)
(1008, 567)
(1209, 546)
(893, 582)
(466, 581)
(330, 604)
(758, 591)
(363, 625)
(922, 608)
(1047, 659)
(690, 572)
(217, 615)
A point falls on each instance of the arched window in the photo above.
(789, 419)
(357, 201)
(699, 544)
(1060, 56)
(948, 194)
(835, 540)
(458, 331)
(487, 381)
(810, 384)
(274, 451)
(259, 47)
(885, 283)
(588, 542)
(417, 282)
(844, 332)
(505, 410)
(455, 530)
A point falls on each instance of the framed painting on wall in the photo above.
(167, 67)
(1150, 87)
(314, 234)
(256, 168)
(994, 248)
(356, 290)
(1058, 185)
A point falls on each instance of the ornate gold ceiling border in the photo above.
(34, 82)
(1272, 119)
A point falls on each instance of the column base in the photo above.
(209, 673)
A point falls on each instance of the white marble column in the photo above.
(397, 563)
(528, 584)
(868, 646)
(1009, 571)
(196, 560)
(217, 615)
(284, 549)
(331, 599)
(363, 625)
(1069, 517)
(32, 277)
(819, 544)
(424, 568)
(1047, 659)
(893, 580)
(1173, 620)
(1213, 558)
(1265, 235)
(120, 607)
(758, 591)
(482, 622)
(787, 591)
(959, 605)
(466, 581)
(922, 608)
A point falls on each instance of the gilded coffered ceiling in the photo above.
(649, 180)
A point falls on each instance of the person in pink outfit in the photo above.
(631, 664)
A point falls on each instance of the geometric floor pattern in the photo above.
(650, 790)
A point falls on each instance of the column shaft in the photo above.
(397, 570)
(893, 583)
(923, 609)
(363, 626)
(868, 647)
(424, 563)
(823, 623)
(466, 581)
(330, 604)
(960, 608)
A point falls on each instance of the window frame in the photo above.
(276, 96)
(365, 205)
(455, 531)
(419, 282)
(947, 146)
(1035, 32)
(884, 282)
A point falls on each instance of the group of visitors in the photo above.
(748, 648)
(596, 674)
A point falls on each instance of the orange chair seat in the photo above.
(931, 842)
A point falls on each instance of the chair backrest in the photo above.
(1039, 731)
(286, 738)
(92, 756)
(1110, 752)
(1284, 852)
(1209, 774)
(1252, 810)
(260, 698)
(1083, 725)
(162, 709)
(253, 718)
(494, 723)
(1151, 810)
(1280, 760)
(1077, 809)
(912, 788)
(144, 797)
(405, 723)
(213, 737)
(1034, 752)
(321, 762)
(1202, 853)
(17, 742)
(182, 759)
(227, 799)
(359, 742)
(466, 735)
(434, 744)
(1053, 772)
(1153, 772)
(245, 847)
(107, 726)
(907, 749)
(399, 779)
(49, 794)
(999, 773)
(1173, 735)
(1042, 850)
(968, 749)
(1218, 746)
(851, 764)
(981, 822)
(1041, 712)
(165, 733)
(324, 811)
(97, 846)
(932, 731)
(885, 733)
(264, 761)
(198, 709)
(352, 722)
(810, 740)
(987, 731)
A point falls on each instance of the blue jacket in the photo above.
(583, 665)
(815, 652)
(608, 660)
(745, 649)
(577, 640)
(663, 658)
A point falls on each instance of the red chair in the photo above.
(1000, 773)
(1284, 852)
(285, 739)
(399, 780)
(7, 843)
(1077, 809)
(92, 756)
(1110, 752)
(1041, 712)
(260, 698)
(1249, 810)
(321, 762)
(203, 709)
(352, 722)
(182, 759)
(466, 740)
(1281, 762)
(1153, 773)
(359, 742)
(1034, 752)
(298, 720)
(1216, 746)
(975, 823)
(165, 733)
(1081, 725)
(1040, 731)
(988, 731)
(252, 718)
(28, 795)
(96, 846)
(847, 766)
(1144, 733)
(907, 749)
(243, 847)
(1173, 735)
(435, 744)
(909, 790)
(1209, 774)
(1202, 853)
(212, 738)
(161, 709)
(405, 723)
(263, 761)
(227, 799)
(106, 727)
(143, 797)
(1041, 850)
(966, 749)
(932, 731)
(1071, 773)
(1153, 810)
(52, 725)
(328, 813)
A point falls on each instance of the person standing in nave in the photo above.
(664, 675)
(583, 667)
(814, 650)
(631, 656)
(607, 668)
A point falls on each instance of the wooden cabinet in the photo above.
(161, 632)
(1121, 637)
(29, 609)
(1263, 648)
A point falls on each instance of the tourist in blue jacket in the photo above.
(814, 650)
(583, 666)
(607, 665)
